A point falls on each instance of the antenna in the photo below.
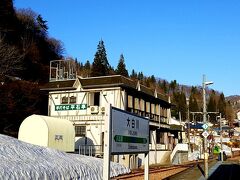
(62, 70)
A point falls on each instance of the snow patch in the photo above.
(20, 160)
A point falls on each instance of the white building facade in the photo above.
(83, 102)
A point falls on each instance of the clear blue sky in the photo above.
(171, 39)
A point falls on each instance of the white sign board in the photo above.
(130, 133)
(204, 126)
(205, 134)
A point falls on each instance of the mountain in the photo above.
(235, 102)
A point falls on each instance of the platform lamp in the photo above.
(204, 84)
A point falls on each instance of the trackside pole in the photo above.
(107, 143)
(146, 166)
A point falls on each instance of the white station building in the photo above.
(83, 101)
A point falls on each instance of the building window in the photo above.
(73, 99)
(130, 101)
(94, 98)
(64, 100)
(80, 131)
(136, 103)
(160, 137)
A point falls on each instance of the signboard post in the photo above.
(107, 143)
(125, 133)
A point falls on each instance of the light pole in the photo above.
(188, 127)
(204, 84)
(220, 124)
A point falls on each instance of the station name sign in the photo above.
(67, 107)
(130, 133)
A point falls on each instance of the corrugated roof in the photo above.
(118, 80)
(59, 85)
(104, 81)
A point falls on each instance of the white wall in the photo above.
(162, 157)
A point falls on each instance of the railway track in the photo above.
(158, 172)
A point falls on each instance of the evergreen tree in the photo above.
(164, 86)
(212, 107)
(229, 114)
(121, 68)
(153, 79)
(87, 65)
(86, 72)
(193, 107)
(140, 77)
(179, 99)
(173, 86)
(42, 25)
(134, 74)
(222, 105)
(8, 21)
(100, 66)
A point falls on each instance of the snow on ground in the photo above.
(20, 160)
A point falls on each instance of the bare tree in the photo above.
(10, 59)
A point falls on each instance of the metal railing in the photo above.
(91, 150)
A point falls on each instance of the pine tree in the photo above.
(164, 86)
(222, 105)
(134, 75)
(86, 69)
(193, 107)
(100, 66)
(229, 113)
(153, 79)
(173, 86)
(121, 68)
(140, 77)
(8, 21)
(179, 99)
(212, 107)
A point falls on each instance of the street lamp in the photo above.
(204, 84)
(188, 126)
(220, 129)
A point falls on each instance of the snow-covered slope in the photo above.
(20, 160)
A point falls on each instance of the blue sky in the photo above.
(171, 39)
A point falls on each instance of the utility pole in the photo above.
(220, 124)
(205, 121)
(188, 127)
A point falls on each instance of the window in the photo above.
(148, 107)
(64, 100)
(136, 103)
(130, 101)
(142, 105)
(80, 131)
(94, 98)
(153, 108)
(73, 99)
(160, 137)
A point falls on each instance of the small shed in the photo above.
(48, 131)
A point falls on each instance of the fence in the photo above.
(91, 150)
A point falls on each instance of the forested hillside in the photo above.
(25, 53)
(26, 50)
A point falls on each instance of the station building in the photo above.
(83, 101)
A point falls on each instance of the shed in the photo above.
(48, 131)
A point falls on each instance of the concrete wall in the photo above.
(156, 157)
